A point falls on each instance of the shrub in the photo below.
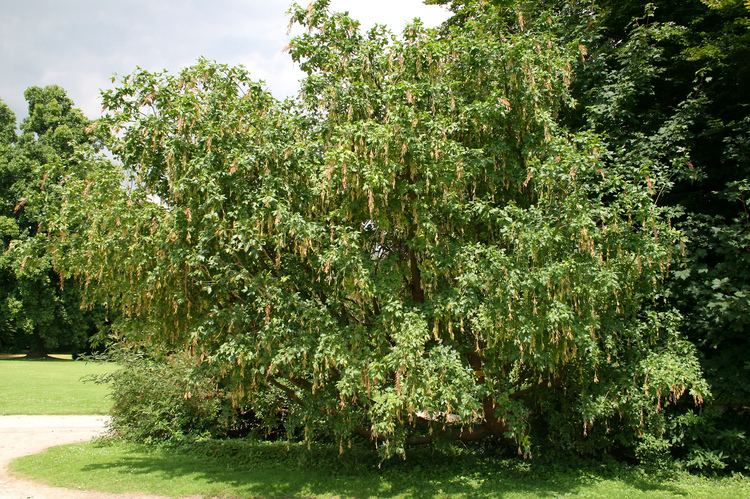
(165, 399)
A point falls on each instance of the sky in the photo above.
(81, 44)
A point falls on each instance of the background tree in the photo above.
(40, 313)
(667, 84)
(8, 227)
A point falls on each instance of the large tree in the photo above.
(40, 313)
(414, 248)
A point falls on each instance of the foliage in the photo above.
(668, 84)
(413, 249)
(166, 399)
(37, 311)
(665, 83)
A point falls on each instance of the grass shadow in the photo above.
(279, 469)
(22, 357)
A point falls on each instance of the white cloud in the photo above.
(394, 13)
(79, 44)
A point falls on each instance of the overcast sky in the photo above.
(80, 44)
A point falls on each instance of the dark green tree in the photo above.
(671, 82)
(40, 311)
(666, 84)
(8, 227)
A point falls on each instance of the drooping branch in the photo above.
(417, 293)
(287, 391)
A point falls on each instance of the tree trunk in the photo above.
(37, 349)
(417, 293)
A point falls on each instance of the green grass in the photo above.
(51, 386)
(243, 469)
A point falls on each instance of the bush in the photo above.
(165, 399)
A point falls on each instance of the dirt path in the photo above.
(23, 435)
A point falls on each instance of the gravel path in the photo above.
(23, 435)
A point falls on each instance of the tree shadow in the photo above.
(53, 357)
(278, 469)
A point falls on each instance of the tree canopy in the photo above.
(419, 246)
(38, 312)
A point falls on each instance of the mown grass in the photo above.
(246, 469)
(53, 385)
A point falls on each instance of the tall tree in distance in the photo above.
(41, 313)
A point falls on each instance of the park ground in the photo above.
(242, 468)
(54, 385)
(23, 435)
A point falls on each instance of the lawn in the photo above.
(243, 469)
(51, 386)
